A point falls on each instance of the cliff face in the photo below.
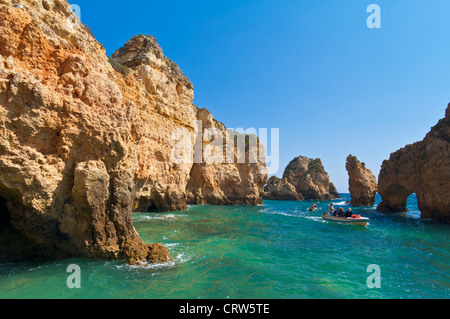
(308, 178)
(422, 168)
(236, 177)
(165, 97)
(82, 146)
(362, 183)
(197, 179)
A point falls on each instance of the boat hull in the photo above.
(349, 221)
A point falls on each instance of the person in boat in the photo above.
(336, 213)
(348, 213)
(331, 208)
(341, 212)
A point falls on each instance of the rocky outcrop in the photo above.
(83, 146)
(362, 183)
(422, 168)
(281, 189)
(307, 177)
(310, 179)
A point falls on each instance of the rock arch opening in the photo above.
(412, 205)
(395, 199)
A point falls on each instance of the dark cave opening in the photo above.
(152, 208)
(14, 245)
(5, 217)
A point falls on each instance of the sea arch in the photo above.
(395, 198)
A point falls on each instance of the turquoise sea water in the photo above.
(277, 251)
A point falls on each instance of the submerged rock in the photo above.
(303, 179)
(422, 168)
(362, 183)
(83, 146)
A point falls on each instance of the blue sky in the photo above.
(313, 69)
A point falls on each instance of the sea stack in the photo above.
(86, 139)
(307, 177)
(362, 183)
(422, 168)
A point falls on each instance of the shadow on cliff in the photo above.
(14, 245)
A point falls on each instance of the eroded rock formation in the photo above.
(219, 179)
(307, 177)
(281, 189)
(362, 183)
(422, 168)
(83, 146)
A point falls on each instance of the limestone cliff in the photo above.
(362, 183)
(422, 168)
(165, 97)
(218, 177)
(307, 177)
(83, 146)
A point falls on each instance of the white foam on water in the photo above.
(314, 218)
(171, 245)
(344, 203)
(305, 211)
(193, 206)
(182, 258)
(38, 268)
(147, 266)
(279, 213)
(157, 217)
(301, 214)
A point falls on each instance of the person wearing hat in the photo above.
(349, 213)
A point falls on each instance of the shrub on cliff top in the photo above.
(119, 67)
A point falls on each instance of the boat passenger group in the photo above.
(339, 212)
(336, 212)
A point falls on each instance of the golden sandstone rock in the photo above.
(303, 179)
(422, 168)
(362, 183)
(83, 146)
